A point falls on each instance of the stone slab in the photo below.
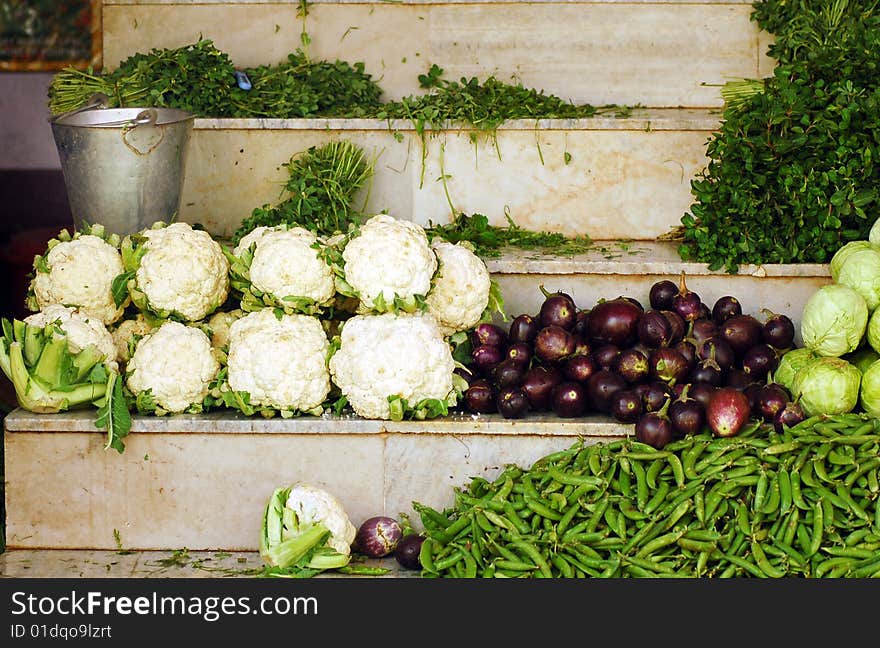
(606, 177)
(173, 485)
(202, 491)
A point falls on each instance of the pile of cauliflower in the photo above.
(283, 323)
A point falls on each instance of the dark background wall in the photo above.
(33, 199)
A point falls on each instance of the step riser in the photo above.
(665, 54)
(617, 183)
(204, 491)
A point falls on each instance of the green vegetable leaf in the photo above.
(113, 414)
(119, 287)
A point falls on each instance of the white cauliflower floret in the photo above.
(80, 329)
(391, 355)
(183, 271)
(389, 257)
(125, 332)
(81, 272)
(285, 264)
(313, 505)
(175, 362)
(250, 238)
(461, 288)
(219, 323)
(280, 363)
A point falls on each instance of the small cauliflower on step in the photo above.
(394, 366)
(305, 527)
(175, 271)
(460, 294)
(79, 271)
(171, 369)
(281, 267)
(127, 333)
(388, 265)
(277, 363)
(219, 324)
(80, 329)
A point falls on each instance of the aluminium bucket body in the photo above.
(123, 167)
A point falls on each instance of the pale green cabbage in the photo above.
(863, 357)
(861, 272)
(844, 253)
(869, 393)
(790, 364)
(834, 320)
(827, 386)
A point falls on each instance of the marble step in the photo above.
(173, 562)
(202, 482)
(608, 176)
(648, 52)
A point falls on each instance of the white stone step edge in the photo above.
(420, 2)
(229, 422)
(637, 119)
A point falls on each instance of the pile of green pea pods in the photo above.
(801, 503)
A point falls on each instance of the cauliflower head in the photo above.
(179, 272)
(127, 332)
(250, 238)
(280, 363)
(80, 329)
(382, 356)
(313, 505)
(219, 324)
(176, 364)
(282, 267)
(78, 272)
(389, 260)
(460, 293)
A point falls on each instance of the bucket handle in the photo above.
(146, 117)
(97, 100)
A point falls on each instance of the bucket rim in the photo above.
(111, 116)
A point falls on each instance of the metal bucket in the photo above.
(123, 167)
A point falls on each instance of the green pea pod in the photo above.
(844, 494)
(864, 469)
(791, 526)
(690, 458)
(573, 479)
(826, 566)
(818, 528)
(449, 561)
(598, 515)
(646, 532)
(624, 479)
(514, 519)
(659, 542)
(763, 563)
(771, 503)
(699, 506)
(657, 498)
(794, 556)
(542, 509)
(677, 470)
(807, 476)
(532, 552)
(760, 491)
(785, 496)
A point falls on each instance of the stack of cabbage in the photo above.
(283, 323)
(838, 369)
